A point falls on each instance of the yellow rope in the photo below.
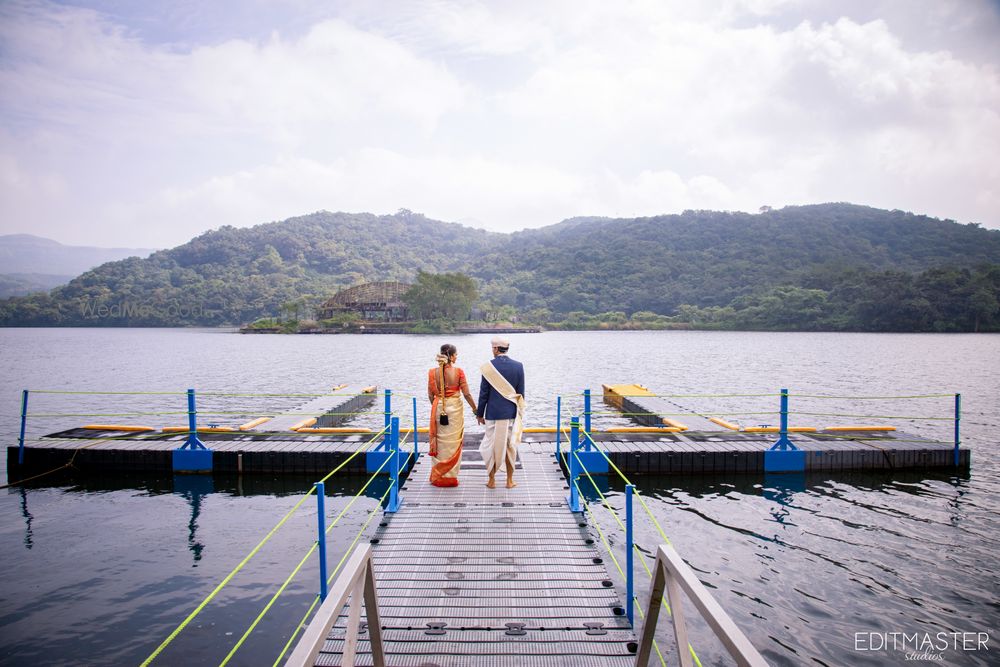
(600, 532)
(294, 573)
(606, 458)
(642, 615)
(173, 635)
(841, 414)
(109, 393)
(874, 398)
(299, 628)
(642, 560)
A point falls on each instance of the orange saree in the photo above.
(446, 440)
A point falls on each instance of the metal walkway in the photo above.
(473, 576)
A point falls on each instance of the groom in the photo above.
(501, 409)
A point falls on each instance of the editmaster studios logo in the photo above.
(922, 646)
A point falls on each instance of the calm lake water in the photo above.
(99, 571)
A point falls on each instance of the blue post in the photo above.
(574, 444)
(394, 455)
(629, 565)
(958, 419)
(24, 417)
(558, 426)
(193, 442)
(321, 525)
(416, 450)
(784, 456)
(387, 415)
(783, 441)
(193, 455)
(586, 414)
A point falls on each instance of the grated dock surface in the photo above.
(484, 577)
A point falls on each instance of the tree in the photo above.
(447, 296)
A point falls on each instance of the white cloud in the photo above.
(516, 114)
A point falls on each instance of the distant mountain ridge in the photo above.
(696, 259)
(30, 263)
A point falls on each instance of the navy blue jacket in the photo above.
(491, 404)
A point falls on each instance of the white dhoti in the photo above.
(498, 444)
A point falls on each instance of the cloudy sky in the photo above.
(144, 123)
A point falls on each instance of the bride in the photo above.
(447, 416)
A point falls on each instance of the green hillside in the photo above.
(810, 267)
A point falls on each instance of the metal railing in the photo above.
(674, 576)
(357, 582)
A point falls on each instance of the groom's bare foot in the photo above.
(511, 484)
(491, 483)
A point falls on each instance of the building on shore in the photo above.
(376, 301)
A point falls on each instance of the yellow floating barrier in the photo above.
(613, 393)
(200, 429)
(333, 429)
(724, 424)
(118, 427)
(369, 390)
(338, 387)
(304, 423)
(673, 423)
(421, 429)
(760, 429)
(541, 429)
(775, 429)
(644, 429)
(859, 428)
(252, 424)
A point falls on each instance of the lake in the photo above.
(100, 570)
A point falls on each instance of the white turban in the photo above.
(498, 341)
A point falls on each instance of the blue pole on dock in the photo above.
(193, 442)
(558, 425)
(574, 444)
(629, 561)
(321, 540)
(958, 420)
(394, 467)
(388, 415)
(586, 415)
(783, 441)
(416, 450)
(24, 418)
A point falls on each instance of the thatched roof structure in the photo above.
(374, 301)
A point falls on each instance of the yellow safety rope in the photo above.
(615, 560)
(656, 523)
(841, 414)
(173, 635)
(288, 580)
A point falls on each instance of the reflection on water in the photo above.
(106, 564)
(28, 543)
(192, 488)
(805, 562)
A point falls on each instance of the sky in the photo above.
(143, 124)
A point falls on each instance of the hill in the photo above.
(34, 264)
(709, 267)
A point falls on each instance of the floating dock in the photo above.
(312, 439)
(473, 576)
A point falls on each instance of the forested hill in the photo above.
(699, 264)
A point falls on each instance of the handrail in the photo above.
(356, 581)
(674, 575)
